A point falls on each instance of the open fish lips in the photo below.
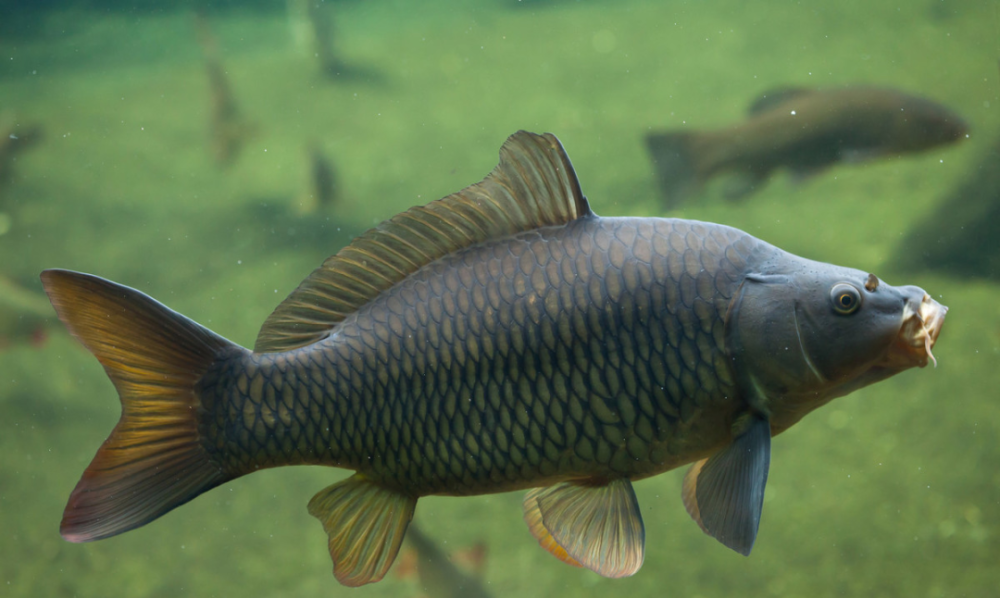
(804, 332)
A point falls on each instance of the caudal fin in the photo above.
(677, 164)
(153, 460)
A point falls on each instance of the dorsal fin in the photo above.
(775, 97)
(533, 186)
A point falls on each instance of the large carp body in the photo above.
(501, 338)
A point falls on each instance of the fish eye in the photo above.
(846, 299)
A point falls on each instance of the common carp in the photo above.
(502, 338)
(805, 131)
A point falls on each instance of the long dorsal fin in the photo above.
(533, 186)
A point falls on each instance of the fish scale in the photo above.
(559, 353)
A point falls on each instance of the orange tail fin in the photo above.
(153, 460)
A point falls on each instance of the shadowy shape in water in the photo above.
(14, 139)
(803, 130)
(458, 575)
(313, 30)
(25, 316)
(962, 235)
(320, 189)
(229, 130)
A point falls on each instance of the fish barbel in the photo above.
(502, 338)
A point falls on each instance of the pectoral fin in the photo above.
(597, 527)
(365, 523)
(724, 494)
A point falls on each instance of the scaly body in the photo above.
(589, 350)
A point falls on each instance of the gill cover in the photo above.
(812, 329)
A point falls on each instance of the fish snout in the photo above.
(959, 129)
(923, 318)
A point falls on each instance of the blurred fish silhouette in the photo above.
(14, 139)
(458, 575)
(803, 130)
(322, 28)
(25, 316)
(961, 236)
(312, 29)
(229, 130)
(320, 182)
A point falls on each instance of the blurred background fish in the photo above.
(15, 138)
(440, 575)
(25, 316)
(314, 34)
(228, 129)
(320, 182)
(961, 235)
(312, 29)
(803, 130)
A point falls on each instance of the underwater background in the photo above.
(893, 490)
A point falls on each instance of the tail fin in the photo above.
(153, 460)
(678, 169)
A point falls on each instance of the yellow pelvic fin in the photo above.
(533, 517)
(689, 492)
(597, 527)
(533, 186)
(365, 523)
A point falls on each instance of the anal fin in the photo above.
(594, 526)
(533, 517)
(365, 523)
(724, 494)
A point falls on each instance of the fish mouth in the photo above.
(921, 326)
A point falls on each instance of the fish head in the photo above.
(809, 332)
(923, 124)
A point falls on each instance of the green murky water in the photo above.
(892, 491)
